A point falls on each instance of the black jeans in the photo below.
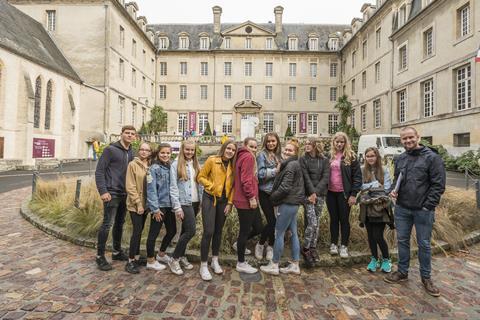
(188, 229)
(114, 212)
(213, 219)
(138, 222)
(250, 225)
(268, 232)
(339, 212)
(375, 237)
(155, 226)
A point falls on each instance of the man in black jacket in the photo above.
(110, 179)
(418, 186)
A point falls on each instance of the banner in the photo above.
(43, 148)
(192, 121)
(303, 122)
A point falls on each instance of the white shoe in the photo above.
(185, 264)
(216, 266)
(246, 268)
(247, 251)
(204, 273)
(174, 265)
(259, 251)
(156, 266)
(269, 253)
(343, 251)
(333, 249)
(291, 268)
(271, 268)
(165, 259)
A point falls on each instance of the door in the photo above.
(2, 140)
(247, 125)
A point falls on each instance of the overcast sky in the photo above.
(259, 11)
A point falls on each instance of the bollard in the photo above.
(77, 194)
(60, 167)
(477, 185)
(34, 182)
(466, 179)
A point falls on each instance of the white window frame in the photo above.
(364, 49)
(162, 92)
(354, 58)
(204, 43)
(292, 69)
(363, 117)
(183, 92)
(312, 94)
(353, 87)
(292, 93)
(364, 79)
(463, 77)
(202, 122)
(332, 123)
(248, 92)
(268, 92)
(313, 44)
(248, 69)
(183, 43)
(428, 95)
(464, 20)
(227, 43)
(204, 68)
(248, 43)
(403, 57)
(402, 105)
(134, 114)
(269, 43)
(333, 69)
(378, 38)
(312, 123)
(122, 37)
(203, 92)
(333, 94)
(121, 69)
(163, 68)
(268, 69)
(121, 107)
(134, 78)
(134, 48)
(292, 122)
(182, 122)
(227, 123)
(51, 20)
(313, 69)
(268, 124)
(293, 43)
(163, 43)
(377, 113)
(428, 42)
(227, 92)
(378, 72)
(183, 68)
(333, 44)
(227, 68)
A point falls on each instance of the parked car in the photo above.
(388, 145)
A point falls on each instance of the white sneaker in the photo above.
(247, 251)
(245, 268)
(343, 251)
(174, 265)
(216, 266)
(291, 268)
(204, 273)
(333, 249)
(156, 266)
(271, 268)
(185, 264)
(259, 251)
(165, 259)
(269, 253)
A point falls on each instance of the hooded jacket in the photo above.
(111, 169)
(136, 185)
(316, 173)
(289, 186)
(246, 181)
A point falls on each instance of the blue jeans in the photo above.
(287, 219)
(423, 220)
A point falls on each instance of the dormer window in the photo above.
(163, 43)
(333, 44)
(204, 43)
(269, 43)
(313, 44)
(227, 43)
(402, 15)
(183, 42)
(292, 43)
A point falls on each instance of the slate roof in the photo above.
(26, 37)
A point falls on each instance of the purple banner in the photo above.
(192, 121)
(43, 148)
(303, 122)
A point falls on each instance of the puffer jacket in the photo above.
(289, 186)
(316, 173)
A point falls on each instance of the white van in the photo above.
(388, 145)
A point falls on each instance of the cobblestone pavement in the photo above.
(43, 277)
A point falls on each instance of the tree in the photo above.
(288, 133)
(158, 120)
(208, 131)
(345, 108)
(144, 129)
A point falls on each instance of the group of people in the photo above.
(277, 181)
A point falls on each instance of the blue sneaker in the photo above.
(386, 266)
(373, 265)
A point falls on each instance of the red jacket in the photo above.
(246, 181)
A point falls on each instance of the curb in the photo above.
(326, 260)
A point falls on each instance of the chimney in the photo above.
(217, 12)
(278, 19)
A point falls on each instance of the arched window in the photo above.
(48, 105)
(38, 99)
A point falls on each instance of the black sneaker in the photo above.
(142, 261)
(103, 264)
(120, 256)
(314, 253)
(396, 277)
(307, 257)
(131, 267)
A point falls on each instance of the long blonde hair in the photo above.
(318, 147)
(348, 153)
(182, 162)
(294, 142)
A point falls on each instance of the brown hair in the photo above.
(224, 146)
(373, 172)
(154, 157)
(278, 149)
(348, 153)
(182, 163)
(128, 127)
(294, 142)
(318, 147)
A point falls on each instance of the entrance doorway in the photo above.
(248, 123)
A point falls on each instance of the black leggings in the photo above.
(250, 225)
(375, 237)
(213, 219)
(339, 212)
(138, 222)
(188, 229)
(268, 232)
(155, 226)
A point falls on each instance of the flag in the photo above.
(477, 58)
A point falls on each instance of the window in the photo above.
(313, 94)
(354, 58)
(377, 72)
(353, 87)
(202, 122)
(333, 44)
(227, 123)
(248, 92)
(464, 87)
(377, 113)
(182, 122)
(292, 69)
(183, 43)
(402, 15)
(144, 84)
(428, 98)
(134, 48)
(268, 93)
(121, 69)
(312, 123)
(134, 114)
(268, 69)
(313, 70)
(429, 139)
(364, 49)
(428, 43)
(333, 94)
(267, 122)
(269, 43)
(163, 68)
(121, 107)
(183, 92)
(122, 37)
(152, 89)
(204, 92)
(378, 38)
(333, 69)
(163, 92)
(364, 79)
(402, 105)
(461, 140)
(204, 68)
(292, 43)
(227, 92)
(144, 115)
(183, 68)
(144, 55)
(248, 43)
(204, 43)
(292, 123)
(292, 93)
(163, 43)
(48, 105)
(51, 20)
(227, 43)
(313, 44)
(463, 21)
(363, 117)
(248, 69)
(332, 123)
(402, 58)
(134, 78)
(227, 68)
(352, 118)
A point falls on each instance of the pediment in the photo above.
(247, 28)
(247, 104)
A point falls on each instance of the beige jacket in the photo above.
(136, 185)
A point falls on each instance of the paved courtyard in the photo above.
(45, 278)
